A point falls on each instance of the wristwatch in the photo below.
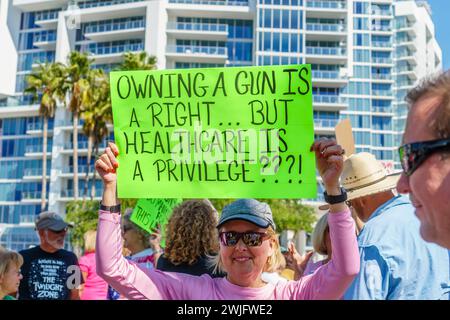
(335, 199)
(112, 209)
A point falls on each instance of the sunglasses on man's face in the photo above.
(250, 238)
(412, 155)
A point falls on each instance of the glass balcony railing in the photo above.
(37, 148)
(405, 83)
(31, 195)
(382, 93)
(381, 76)
(381, 109)
(321, 74)
(325, 27)
(377, 27)
(33, 172)
(15, 102)
(212, 27)
(325, 51)
(381, 60)
(326, 123)
(101, 49)
(81, 169)
(326, 4)
(381, 12)
(46, 15)
(82, 145)
(93, 4)
(222, 51)
(213, 2)
(381, 44)
(45, 36)
(70, 193)
(333, 99)
(405, 69)
(115, 26)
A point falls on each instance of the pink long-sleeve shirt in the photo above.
(330, 282)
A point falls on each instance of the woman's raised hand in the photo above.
(107, 164)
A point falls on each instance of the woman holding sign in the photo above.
(248, 246)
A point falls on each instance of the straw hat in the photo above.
(364, 175)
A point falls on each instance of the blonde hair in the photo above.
(7, 258)
(318, 235)
(89, 240)
(191, 232)
(274, 262)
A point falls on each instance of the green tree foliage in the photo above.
(288, 214)
(83, 217)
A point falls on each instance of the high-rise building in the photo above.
(363, 54)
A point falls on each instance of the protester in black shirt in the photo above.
(191, 238)
(50, 272)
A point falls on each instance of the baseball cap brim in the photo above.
(56, 226)
(260, 222)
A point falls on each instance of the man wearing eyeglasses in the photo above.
(50, 272)
(425, 157)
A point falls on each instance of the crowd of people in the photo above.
(375, 242)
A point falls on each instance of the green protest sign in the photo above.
(215, 133)
(149, 213)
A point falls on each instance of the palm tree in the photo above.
(46, 82)
(77, 70)
(138, 61)
(96, 113)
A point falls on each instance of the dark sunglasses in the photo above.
(251, 239)
(412, 155)
(126, 228)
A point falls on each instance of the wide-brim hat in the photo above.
(364, 175)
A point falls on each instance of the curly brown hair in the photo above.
(191, 232)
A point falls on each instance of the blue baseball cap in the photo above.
(250, 210)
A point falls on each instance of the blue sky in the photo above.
(441, 18)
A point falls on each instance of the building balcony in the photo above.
(47, 19)
(68, 171)
(381, 28)
(185, 53)
(328, 78)
(212, 2)
(380, 12)
(35, 129)
(199, 31)
(112, 53)
(382, 76)
(116, 31)
(326, 9)
(325, 126)
(382, 44)
(324, 54)
(35, 151)
(34, 174)
(68, 195)
(384, 94)
(31, 196)
(381, 60)
(82, 147)
(226, 9)
(325, 32)
(45, 40)
(329, 102)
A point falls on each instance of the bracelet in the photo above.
(111, 209)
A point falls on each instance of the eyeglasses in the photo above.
(412, 155)
(251, 239)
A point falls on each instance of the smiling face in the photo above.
(9, 282)
(244, 264)
(429, 184)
